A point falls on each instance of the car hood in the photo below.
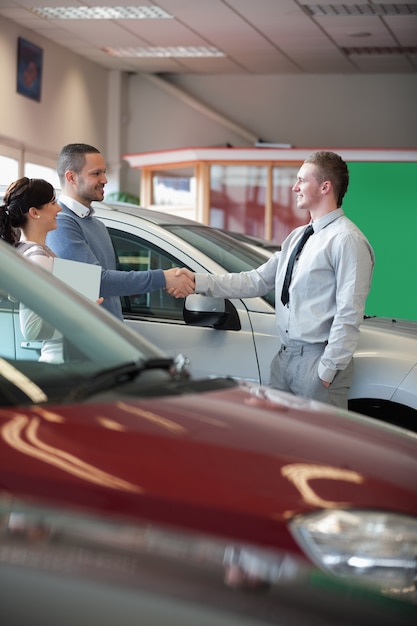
(395, 326)
(237, 462)
(390, 339)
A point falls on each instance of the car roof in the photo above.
(151, 215)
(160, 218)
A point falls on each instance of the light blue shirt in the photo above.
(328, 291)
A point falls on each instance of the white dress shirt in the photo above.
(328, 291)
(75, 206)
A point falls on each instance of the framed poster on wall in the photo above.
(29, 69)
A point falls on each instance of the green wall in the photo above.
(382, 201)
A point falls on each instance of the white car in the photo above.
(237, 337)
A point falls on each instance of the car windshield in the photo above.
(228, 252)
(53, 339)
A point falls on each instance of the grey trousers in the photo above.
(294, 369)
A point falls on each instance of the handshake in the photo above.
(179, 281)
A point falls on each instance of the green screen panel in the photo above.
(382, 201)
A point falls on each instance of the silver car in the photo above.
(237, 337)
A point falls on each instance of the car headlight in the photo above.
(379, 548)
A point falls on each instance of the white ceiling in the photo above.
(256, 36)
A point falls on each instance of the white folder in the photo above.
(84, 277)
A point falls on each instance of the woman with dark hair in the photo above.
(27, 214)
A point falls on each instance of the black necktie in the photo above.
(285, 296)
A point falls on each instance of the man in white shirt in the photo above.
(318, 317)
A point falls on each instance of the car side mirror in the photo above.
(210, 312)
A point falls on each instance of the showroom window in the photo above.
(9, 171)
(17, 161)
(34, 170)
(244, 190)
(237, 198)
(285, 214)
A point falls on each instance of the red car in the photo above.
(130, 493)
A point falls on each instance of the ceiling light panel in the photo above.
(101, 13)
(380, 50)
(163, 52)
(381, 10)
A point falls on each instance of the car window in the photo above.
(26, 376)
(7, 326)
(134, 253)
(20, 330)
(223, 249)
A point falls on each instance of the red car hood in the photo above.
(224, 462)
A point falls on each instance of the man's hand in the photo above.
(179, 282)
